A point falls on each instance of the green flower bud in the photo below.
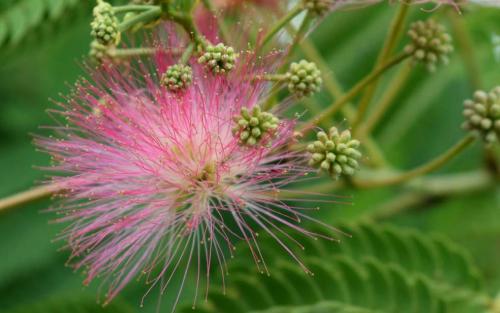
(177, 77)
(105, 24)
(429, 43)
(251, 127)
(335, 153)
(304, 78)
(482, 114)
(318, 7)
(219, 59)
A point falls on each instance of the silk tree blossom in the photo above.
(158, 181)
(234, 4)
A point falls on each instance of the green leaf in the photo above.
(410, 272)
(23, 17)
(73, 305)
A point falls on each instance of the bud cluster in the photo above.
(429, 43)
(218, 58)
(251, 127)
(482, 114)
(177, 77)
(303, 78)
(335, 153)
(105, 24)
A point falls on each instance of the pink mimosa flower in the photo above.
(156, 180)
(233, 4)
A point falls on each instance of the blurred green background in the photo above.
(45, 60)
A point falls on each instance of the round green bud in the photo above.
(335, 153)
(219, 59)
(104, 27)
(430, 43)
(177, 77)
(482, 114)
(251, 127)
(318, 7)
(304, 78)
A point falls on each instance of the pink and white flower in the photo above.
(155, 180)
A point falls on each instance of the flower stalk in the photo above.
(380, 107)
(429, 167)
(395, 32)
(28, 196)
(186, 55)
(132, 8)
(282, 23)
(339, 103)
(300, 34)
(145, 17)
(467, 49)
(130, 52)
(425, 189)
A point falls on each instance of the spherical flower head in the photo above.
(482, 114)
(177, 77)
(156, 181)
(105, 24)
(335, 153)
(318, 7)
(254, 126)
(304, 78)
(219, 59)
(429, 43)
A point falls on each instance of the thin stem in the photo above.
(281, 23)
(220, 22)
(429, 188)
(339, 103)
(131, 52)
(419, 171)
(187, 54)
(385, 102)
(145, 17)
(299, 34)
(132, 8)
(26, 197)
(333, 87)
(437, 185)
(391, 40)
(467, 50)
(270, 77)
(156, 12)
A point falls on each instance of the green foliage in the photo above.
(379, 269)
(69, 305)
(20, 18)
